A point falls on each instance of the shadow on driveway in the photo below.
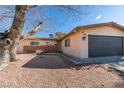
(46, 62)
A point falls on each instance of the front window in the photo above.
(34, 43)
(67, 43)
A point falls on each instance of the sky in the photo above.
(58, 19)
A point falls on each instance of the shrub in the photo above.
(39, 52)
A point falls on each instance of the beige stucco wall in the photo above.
(79, 47)
(75, 45)
(21, 44)
(25, 42)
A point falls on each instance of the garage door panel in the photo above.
(105, 46)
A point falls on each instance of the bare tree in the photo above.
(60, 35)
(10, 38)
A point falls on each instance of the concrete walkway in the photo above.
(116, 62)
(96, 60)
(118, 66)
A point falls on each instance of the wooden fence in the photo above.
(32, 49)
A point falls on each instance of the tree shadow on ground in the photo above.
(46, 62)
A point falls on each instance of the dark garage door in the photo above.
(105, 46)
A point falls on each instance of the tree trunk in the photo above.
(13, 54)
(16, 29)
(13, 50)
(4, 53)
(4, 58)
(8, 44)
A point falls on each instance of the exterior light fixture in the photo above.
(84, 36)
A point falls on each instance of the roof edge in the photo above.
(95, 25)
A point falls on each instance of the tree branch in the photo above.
(35, 30)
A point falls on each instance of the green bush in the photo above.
(39, 52)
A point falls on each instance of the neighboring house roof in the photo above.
(95, 25)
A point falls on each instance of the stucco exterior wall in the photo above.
(21, 44)
(75, 44)
(79, 47)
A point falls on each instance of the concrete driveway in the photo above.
(52, 71)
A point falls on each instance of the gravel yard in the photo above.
(51, 71)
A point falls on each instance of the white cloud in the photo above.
(98, 17)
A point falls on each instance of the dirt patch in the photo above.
(53, 71)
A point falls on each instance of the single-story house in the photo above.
(96, 40)
(30, 45)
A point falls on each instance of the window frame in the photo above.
(33, 43)
(67, 42)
